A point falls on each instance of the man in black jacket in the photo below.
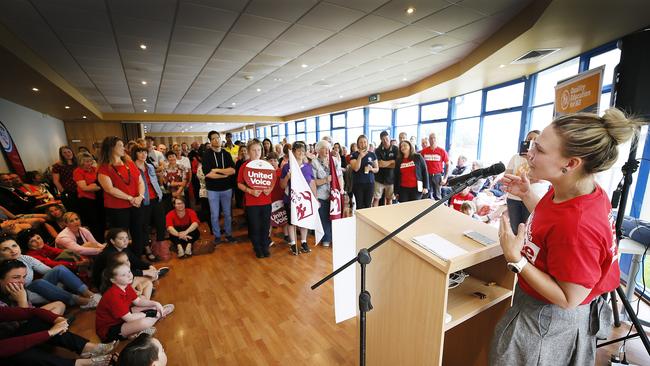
(218, 167)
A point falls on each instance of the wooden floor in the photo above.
(235, 309)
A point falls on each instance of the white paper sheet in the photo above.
(344, 234)
(439, 246)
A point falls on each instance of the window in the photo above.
(541, 117)
(610, 60)
(468, 105)
(407, 116)
(500, 138)
(324, 124)
(338, 120)
(355, 118)
(267, 132)
(465, 138)
(604, 102)
(434, 111)
(310, 137)
(379, 120)
(275, 131)
(339, 136)
(300, 126)
(291, 128)
(547, 79)
(507, 97)
(355, 132)
(439, 128)
(311, 124)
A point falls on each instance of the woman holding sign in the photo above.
(256, 179)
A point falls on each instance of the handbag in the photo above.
(203, 246)
(161, 250)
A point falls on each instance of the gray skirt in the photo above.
(533, 332)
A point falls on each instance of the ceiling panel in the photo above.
(449, 18)
(203, 55)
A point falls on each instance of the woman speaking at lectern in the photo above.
(566, 254)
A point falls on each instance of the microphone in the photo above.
(495, 169)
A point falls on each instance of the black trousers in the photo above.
(132, 219)
(435, 180)
(37, 355)
(259, 224)
(194, 234)
(409, 194)
(154, 215)
(363, 194)
(92, 215)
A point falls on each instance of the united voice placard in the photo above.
(259, 174)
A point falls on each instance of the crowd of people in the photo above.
(86, 232)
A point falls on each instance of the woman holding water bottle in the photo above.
(364, 164)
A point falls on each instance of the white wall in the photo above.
(37, 136)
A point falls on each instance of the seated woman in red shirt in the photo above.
(411, 176)
(183, 227)
(458, 199)
(33, 245)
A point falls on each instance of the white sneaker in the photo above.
(92, 302)
(181, 253)
(150, 331)
(188, 250)
(326, 244)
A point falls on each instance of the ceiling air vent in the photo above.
(534, 55)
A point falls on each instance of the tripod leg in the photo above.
(634, 319)
(617, 320)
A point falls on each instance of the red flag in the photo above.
(336, 204)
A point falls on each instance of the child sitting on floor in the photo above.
(121, 313)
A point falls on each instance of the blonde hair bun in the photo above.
(619, 127)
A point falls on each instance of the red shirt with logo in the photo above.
(249, 199)
(458, 199)
(88, 176)
(124, 177)
(114, 304)
(573, 241)
(181, 223)
(435, 158)
(408, 178)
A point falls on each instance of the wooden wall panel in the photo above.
(89, 132)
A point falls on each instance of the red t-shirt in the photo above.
(249, 199)
(125, 178)
(434, 158)
(278, 193)
(181, 223)
(88, 176)
(573, 241)
(408, 178)
(458, 199)
(152, 192)
(114, 304)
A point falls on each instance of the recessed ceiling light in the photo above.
(259, 90)
(410, 10)
(277, 79)
(143, 46)
(233, 103)
(35, 89)
(144, 100)
(84, 117)
(145, 111)
(340, 96)
(502, 66)
(304, 66)
(144, 82)
(67, 107)
(302, 106)
(404, 79)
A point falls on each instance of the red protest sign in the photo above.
(259, 174)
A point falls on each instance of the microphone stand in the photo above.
(363, 258)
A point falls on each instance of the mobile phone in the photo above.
(523, 147)
(151, 313)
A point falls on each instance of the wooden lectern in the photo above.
(409, 291)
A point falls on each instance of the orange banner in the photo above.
(580, 93)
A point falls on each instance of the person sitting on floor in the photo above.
(23, 331)
(144, 350)
(121, 312)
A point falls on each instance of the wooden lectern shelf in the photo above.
(462, 304)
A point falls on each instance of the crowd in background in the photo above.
(86, 231)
